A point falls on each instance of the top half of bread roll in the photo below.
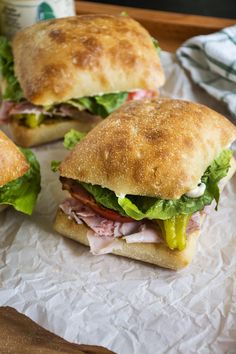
(87, 55)
(12, 162)
(154, 147)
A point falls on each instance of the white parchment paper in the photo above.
(121, 304)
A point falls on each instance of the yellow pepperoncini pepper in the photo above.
(33, 120)
(174, 231)
(30, 120)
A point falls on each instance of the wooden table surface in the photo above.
(171, 29)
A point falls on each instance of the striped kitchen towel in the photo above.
(211, 61)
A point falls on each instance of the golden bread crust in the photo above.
(12, 162)
(155, 253)
(158, 147)
(52, 131)
(60, 59)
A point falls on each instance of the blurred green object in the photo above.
(45, 12)
(34, 120)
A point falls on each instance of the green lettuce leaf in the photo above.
(22, 192)
(13, 90)
(104, 196)
(55, 165)
(218, 169)
(101, 105)
(140, 207)
(111, 102)
(161, 208)
(156, 45)
(72, 138)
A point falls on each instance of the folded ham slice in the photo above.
(144, 235)
(9, 108)
(102, 245)
(104, 232)
(26, 107)
(5, 108)
(194, 223)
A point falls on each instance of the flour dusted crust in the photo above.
(52, 131)
(12, 162)
(157, 147)
(60, 59)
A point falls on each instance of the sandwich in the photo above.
(72, 72)
(142, 181)
(19, 176)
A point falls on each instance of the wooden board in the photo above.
(20, 335)
(171, 29)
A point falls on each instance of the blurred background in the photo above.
(216, 8)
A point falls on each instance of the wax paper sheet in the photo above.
(124, 305)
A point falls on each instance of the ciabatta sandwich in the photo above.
(68, 73)
(19, 176)
(142, 180)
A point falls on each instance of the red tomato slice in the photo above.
(139, 94)
(79, 193)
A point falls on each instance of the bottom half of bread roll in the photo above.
(154, 253)
(50, 130)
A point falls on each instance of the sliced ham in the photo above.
(102, 235)
(66, 110)
(194, 223)
(196, 218)
(126, 228)
(102, 245)
(104, 232)
(208, 209)
(5, 108)
(26, 107)
(63, 110)
(71, 205)
(100, 225)
(146, 234)
(9, 108)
